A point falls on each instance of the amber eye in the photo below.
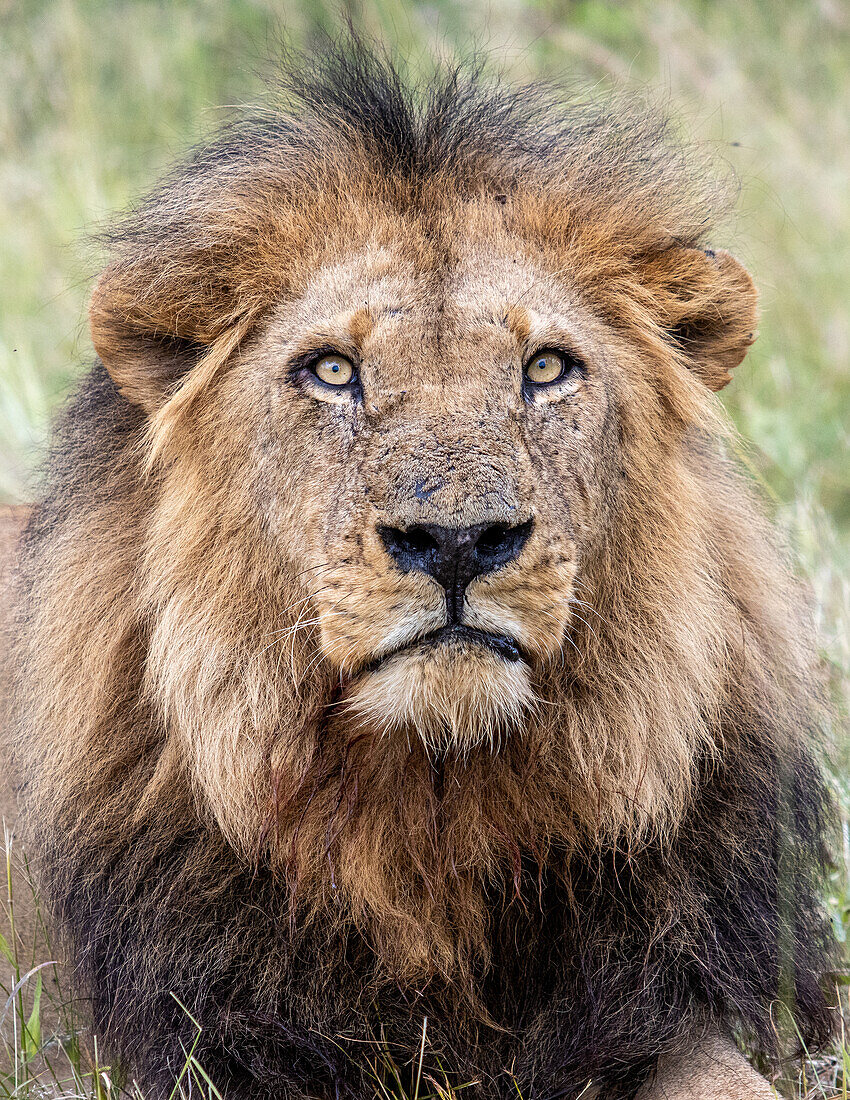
(334, 370)
(547, 367)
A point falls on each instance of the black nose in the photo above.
(454, 556)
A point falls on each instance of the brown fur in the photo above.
(203, 627)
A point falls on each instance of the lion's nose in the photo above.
(454, 556)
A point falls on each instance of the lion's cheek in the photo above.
(535, 610)
(369, 617)
(451, 698)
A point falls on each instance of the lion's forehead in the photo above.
(472, 314)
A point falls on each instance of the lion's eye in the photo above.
(547, 367)
(334, 370)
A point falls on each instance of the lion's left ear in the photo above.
(706, 301)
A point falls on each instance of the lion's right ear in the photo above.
(147, 348)
(706, 301)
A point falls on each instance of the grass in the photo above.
(99, 95)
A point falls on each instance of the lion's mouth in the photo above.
(502, 645)
(505, 646)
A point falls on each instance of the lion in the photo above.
(396, 645)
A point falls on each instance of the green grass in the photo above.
(97, 96)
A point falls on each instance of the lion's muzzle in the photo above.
(460, 683)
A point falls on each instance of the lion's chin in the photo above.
(455, 696)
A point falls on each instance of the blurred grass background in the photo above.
(98, 96)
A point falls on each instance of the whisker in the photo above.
(316, 568)
(592, 609)
(292, 631)
(298, 603)
(587, 624)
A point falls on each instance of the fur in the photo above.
(243, 793)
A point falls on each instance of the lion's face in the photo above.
(431, 475)
(419, 455)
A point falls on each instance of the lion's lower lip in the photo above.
(504, 646)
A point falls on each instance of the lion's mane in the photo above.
(643, 863)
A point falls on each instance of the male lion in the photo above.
(394, 640)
